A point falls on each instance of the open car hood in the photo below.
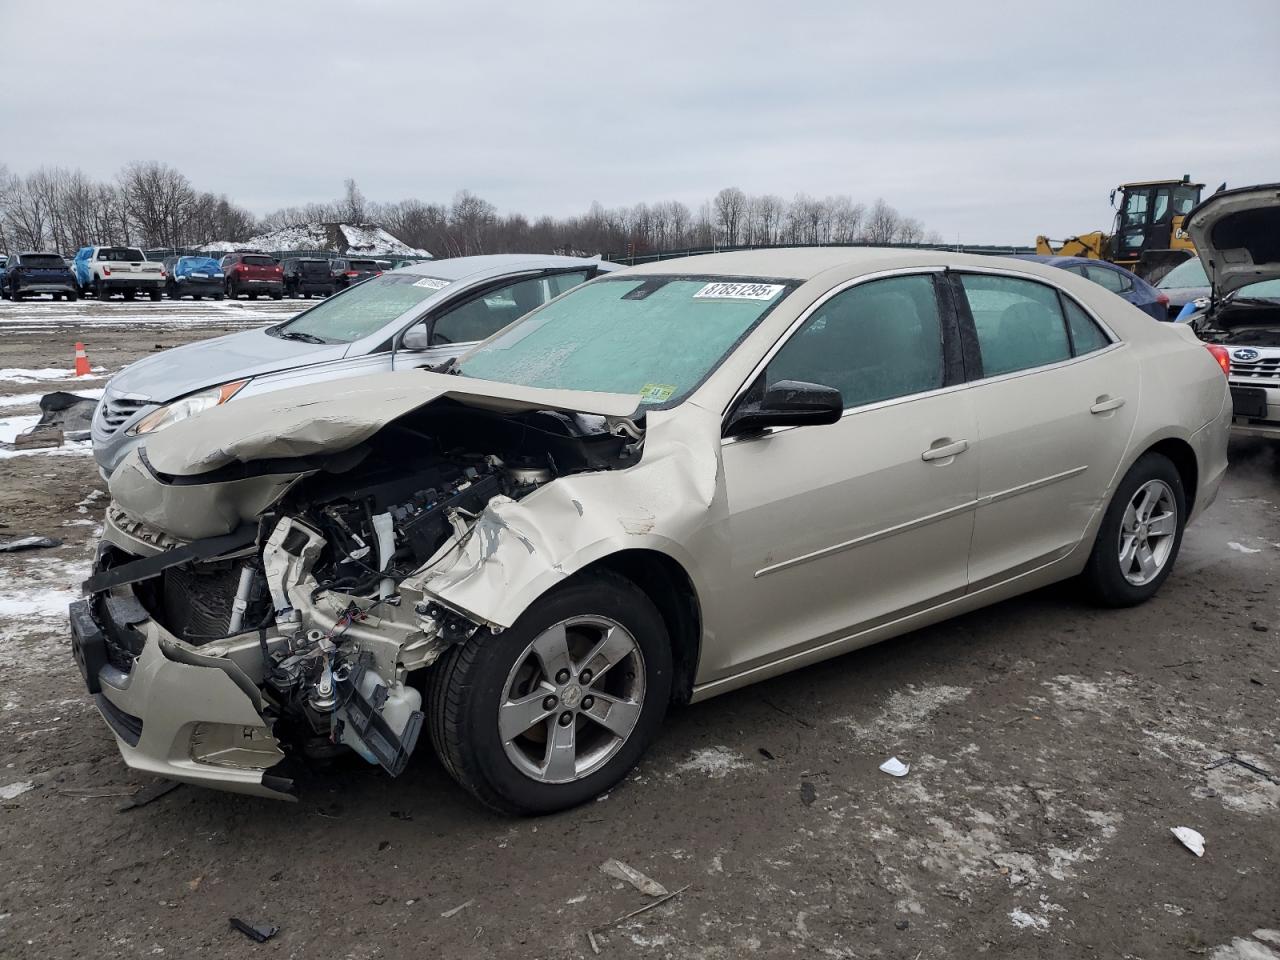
(328, 418)
(1237, 236)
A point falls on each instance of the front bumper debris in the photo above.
(197, 721)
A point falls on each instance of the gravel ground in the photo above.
(1052, 747)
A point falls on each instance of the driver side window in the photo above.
(483, 316)
(872, 342)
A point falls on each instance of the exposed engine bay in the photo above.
(317, 606)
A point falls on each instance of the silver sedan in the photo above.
(666, 484)
(412, 317)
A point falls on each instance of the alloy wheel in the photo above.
(572, 699)
(1147, 532)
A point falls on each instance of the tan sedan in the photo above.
(665, 484)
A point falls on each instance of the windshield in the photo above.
(363, 309)
(1189, 273)
(313, 266)
(42, 260)
(258, 261)
(1263, 290)
(120, 253)
(653, 337)
(363, 265)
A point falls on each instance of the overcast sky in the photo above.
(990, 122)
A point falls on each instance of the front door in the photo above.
(831, 529)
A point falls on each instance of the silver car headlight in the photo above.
(172, 413)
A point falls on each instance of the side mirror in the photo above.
(787, 403)
(415, 338)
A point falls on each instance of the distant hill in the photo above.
(354, 239)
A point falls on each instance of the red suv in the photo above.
(252, 273)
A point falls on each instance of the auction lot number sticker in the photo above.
(738, 291)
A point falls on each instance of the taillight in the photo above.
(1162, 299)
(163, 273)
(106, 271)
(279, 270)
(1222, 355)
(353, 273)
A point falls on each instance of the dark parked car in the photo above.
(304, 276)
(1126, 285)
(348, 271)
(252, 274)
(195, 277)
(1185, 283)
(30, 273)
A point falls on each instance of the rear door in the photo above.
(1056, 398)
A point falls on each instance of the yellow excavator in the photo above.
(1147, 237)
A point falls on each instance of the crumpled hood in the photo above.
(1237, 236)
(207, 363)
(329, 417)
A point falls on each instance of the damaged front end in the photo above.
(271, 606)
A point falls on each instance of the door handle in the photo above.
(944, 448)
(1106, 403)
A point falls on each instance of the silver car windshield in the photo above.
(655, 337)
(1189, 273)
(363, 309)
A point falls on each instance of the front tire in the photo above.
(1140, 535)
(557, 709)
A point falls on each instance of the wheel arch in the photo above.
(668, 585)
(1183, 457)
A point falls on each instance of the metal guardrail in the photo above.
(994, 250)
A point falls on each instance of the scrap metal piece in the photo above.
(259, 933)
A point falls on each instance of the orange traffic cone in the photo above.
(82, 361)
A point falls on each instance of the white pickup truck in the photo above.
(103, 271)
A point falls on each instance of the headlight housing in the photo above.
(189, 406)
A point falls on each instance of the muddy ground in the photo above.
(1052, 747)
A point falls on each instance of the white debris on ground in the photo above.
(1241, 548)
(715, 762)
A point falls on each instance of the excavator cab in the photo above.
(1148, 237)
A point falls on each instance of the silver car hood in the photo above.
(1237, 236)
(329, 417)
(207, 363)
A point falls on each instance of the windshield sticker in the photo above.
(738, 291)
(431, 283)
(656, 392)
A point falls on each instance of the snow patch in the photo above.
(11, 791)
(347, 239)
(715, 762)
(37, 375)
(906, 710)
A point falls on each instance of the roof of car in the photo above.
(457, 268)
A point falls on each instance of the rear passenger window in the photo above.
(872, 342)
(1019, 323)
(1110, 279)
(1086, 336)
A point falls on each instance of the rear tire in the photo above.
(100, 291)
(1140, 535)
(155, 296)
(217, 296)
(131, 294)
(480, 680)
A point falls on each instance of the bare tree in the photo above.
(730, 210)
(352, 204)
(883, 223)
